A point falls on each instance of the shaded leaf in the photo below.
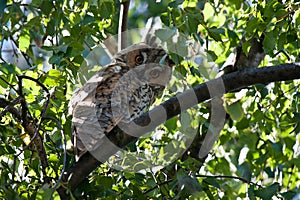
(245, 171)
(216, 33)
(2, 6)
(269, 42)
(267, 192)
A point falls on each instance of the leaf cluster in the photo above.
(43, 46)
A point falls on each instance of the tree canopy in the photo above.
(45, 53)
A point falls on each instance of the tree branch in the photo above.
(172, 107)
(29, 126)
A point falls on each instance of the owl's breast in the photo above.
(141, 100)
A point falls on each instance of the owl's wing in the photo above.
(85, 106)
(84, 121)
(86, 92)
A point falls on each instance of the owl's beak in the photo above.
(166, 60)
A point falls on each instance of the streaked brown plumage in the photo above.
(119, 92)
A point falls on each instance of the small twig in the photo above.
(25, 56)
(6, 82)
(14, 112)
(10, 107)
(23, 4)
(47, 101)
(157, 186)
(204, 176)
(1, 56)
(36, 81)
(227, 177)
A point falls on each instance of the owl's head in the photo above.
(141, 53)
(150, 64)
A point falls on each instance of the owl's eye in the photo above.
(139, 59)
(154, 73)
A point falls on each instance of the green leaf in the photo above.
(245, 171)
(2, 6)
(46, 194)
(246, 47)
(192, 24)
(281, 13)
(269, 42)
(195, 72)
(235, 111)
(251, 192)
(53, 78)
(258, 115)
(56, 58)
(87, 19)
(54, 73)
(213, 182)
(242, 124)
(216, 33)
(212, 56)
(209, 11)
(165, 34)
(47, 6)
(267, 192)
(179, 48)
(77, 46)
(292, 36)
(252, 25)
(171, 124)
(53, 157)
(155, 7)
(24, 42)
(175, 4)
(106, 8)
(188, 185)
(289, 194)
(74, 18)
(50, 29)
(137, 192)
(36, 2)
(7, 68)
(164, 17)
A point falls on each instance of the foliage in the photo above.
(257, 154)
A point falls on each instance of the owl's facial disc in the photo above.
(158, 75)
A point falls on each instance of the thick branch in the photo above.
(174, 106)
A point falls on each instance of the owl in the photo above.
(119, 92)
